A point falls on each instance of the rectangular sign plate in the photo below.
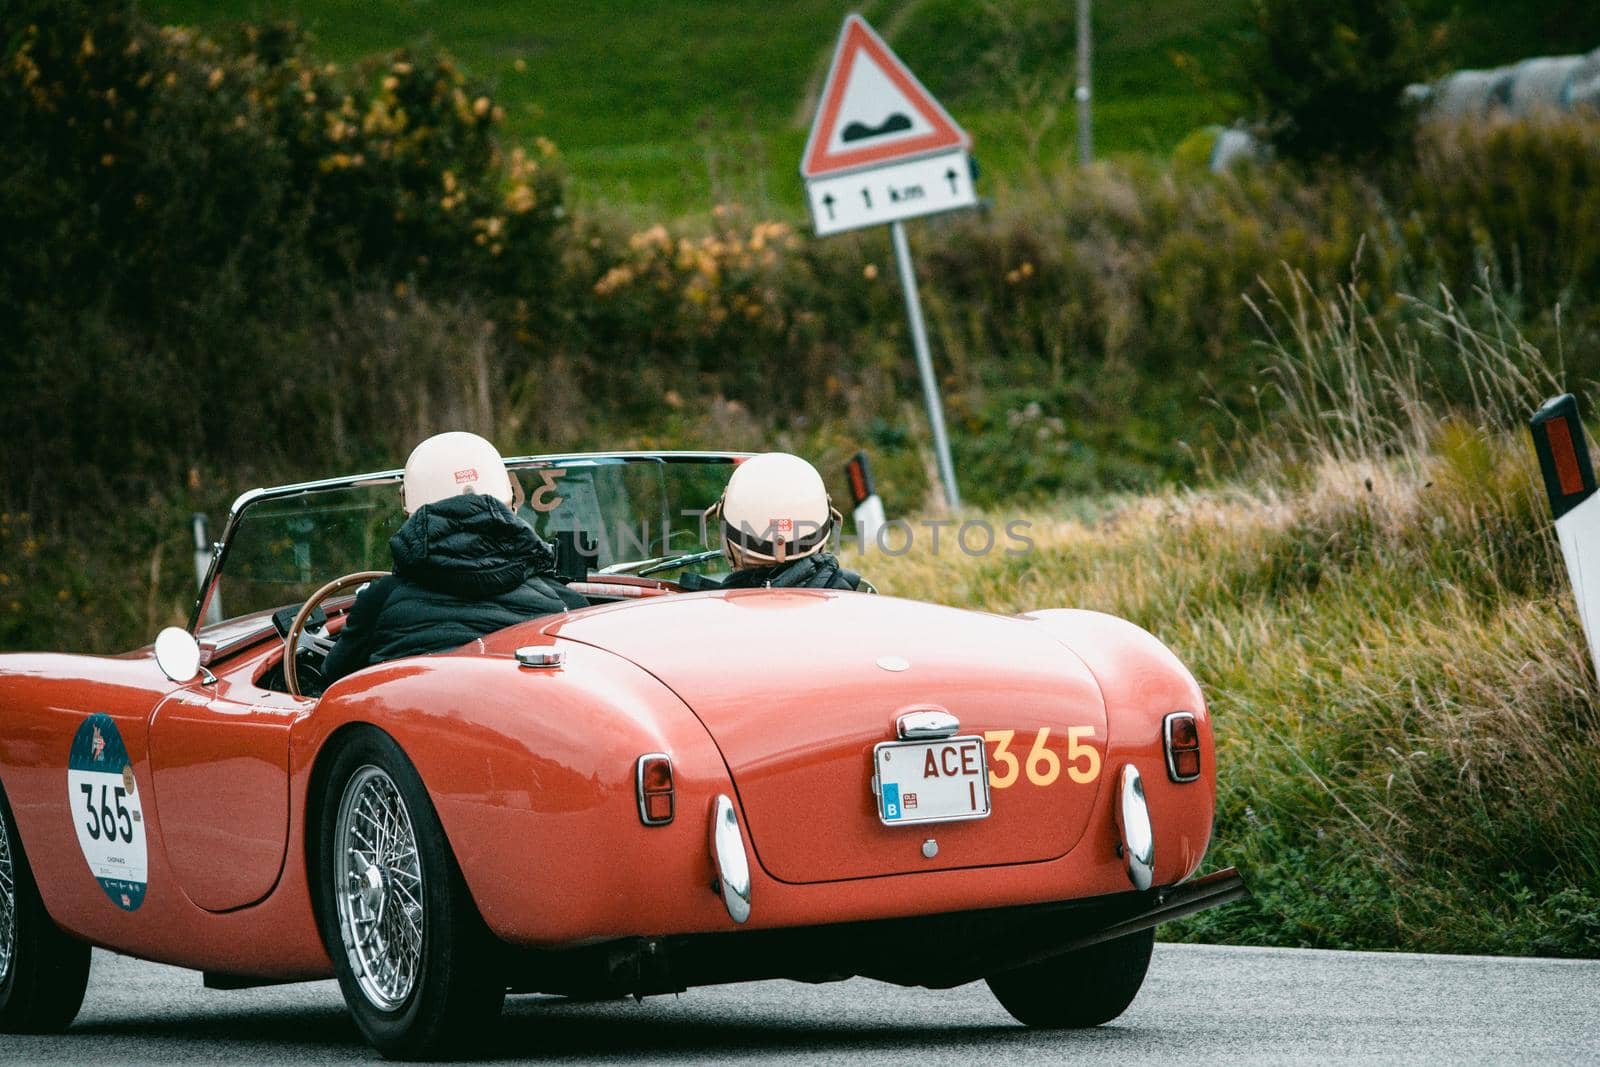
(883, 194)
(931, 781)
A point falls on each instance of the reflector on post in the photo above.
(1563, 450)
(869, 514)
(860, 476)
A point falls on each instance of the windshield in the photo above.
(612, 511)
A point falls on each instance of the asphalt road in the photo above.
(1199, 1005)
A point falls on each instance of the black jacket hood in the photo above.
(469, 546)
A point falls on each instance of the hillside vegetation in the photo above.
(235, 263)
(1404, 708)
(1272, 415)
(666, 109)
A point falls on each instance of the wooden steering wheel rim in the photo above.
(291, 671)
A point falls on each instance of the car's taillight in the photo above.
(654, 778)
(1182, 736)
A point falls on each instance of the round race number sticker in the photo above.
(105, 809)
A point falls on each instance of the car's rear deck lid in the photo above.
(799, 686)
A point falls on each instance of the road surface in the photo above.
(1200, 1004)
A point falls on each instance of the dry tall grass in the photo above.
(1409, 743)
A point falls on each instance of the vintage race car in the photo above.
(676, 786)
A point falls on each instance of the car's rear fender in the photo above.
(1142, 682)
(532, 772)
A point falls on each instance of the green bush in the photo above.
(1518, 200)
(186, 214)
(1329, 76)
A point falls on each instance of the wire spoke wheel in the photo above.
(416, 963)
(8, 905)
(379, 889)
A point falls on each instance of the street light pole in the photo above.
(1082, 93)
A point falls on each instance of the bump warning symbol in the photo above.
(873, 110)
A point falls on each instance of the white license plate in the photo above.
(931, 781)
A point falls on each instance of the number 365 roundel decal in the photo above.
(106, 811)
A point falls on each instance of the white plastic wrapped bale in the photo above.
(1470, 94)
(1231, 146)
(1584, 95)
(1583, 91)
(1541, 84)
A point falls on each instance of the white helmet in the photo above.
(451, 464)
(775, 509)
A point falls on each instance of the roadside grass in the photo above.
(1378, 615)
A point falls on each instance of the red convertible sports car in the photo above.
(676, 786)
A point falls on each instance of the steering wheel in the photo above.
(291, 640)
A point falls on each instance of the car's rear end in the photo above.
(718, 787)
(968, 789)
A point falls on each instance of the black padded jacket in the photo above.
(821, 571)
(463, 567)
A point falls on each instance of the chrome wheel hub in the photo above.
(371, 886)
(8, 905)
(379, 889)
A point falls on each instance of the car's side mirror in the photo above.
(178, 654)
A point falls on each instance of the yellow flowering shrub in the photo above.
(169, 152)
(189, 218)
(727, 303)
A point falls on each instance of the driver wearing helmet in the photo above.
(776, 523)
(464, 564)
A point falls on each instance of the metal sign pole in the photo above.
(919, 341)
(1082, 93)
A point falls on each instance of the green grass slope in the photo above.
(669, 108)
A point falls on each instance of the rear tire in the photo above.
(43, 972)
(1084, 988)
(414, 959)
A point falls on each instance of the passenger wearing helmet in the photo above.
(464, 563)
(777, 521)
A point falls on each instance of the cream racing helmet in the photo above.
(775, 509)
(451, 464)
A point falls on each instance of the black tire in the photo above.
(44, 973)
(456, 990)
(1084, 988)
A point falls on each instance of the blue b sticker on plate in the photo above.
(891, 800)
(104, 800)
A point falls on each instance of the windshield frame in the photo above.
(219, 549)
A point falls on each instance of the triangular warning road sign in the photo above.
(873, 110)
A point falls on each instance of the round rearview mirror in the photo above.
(177, 654)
